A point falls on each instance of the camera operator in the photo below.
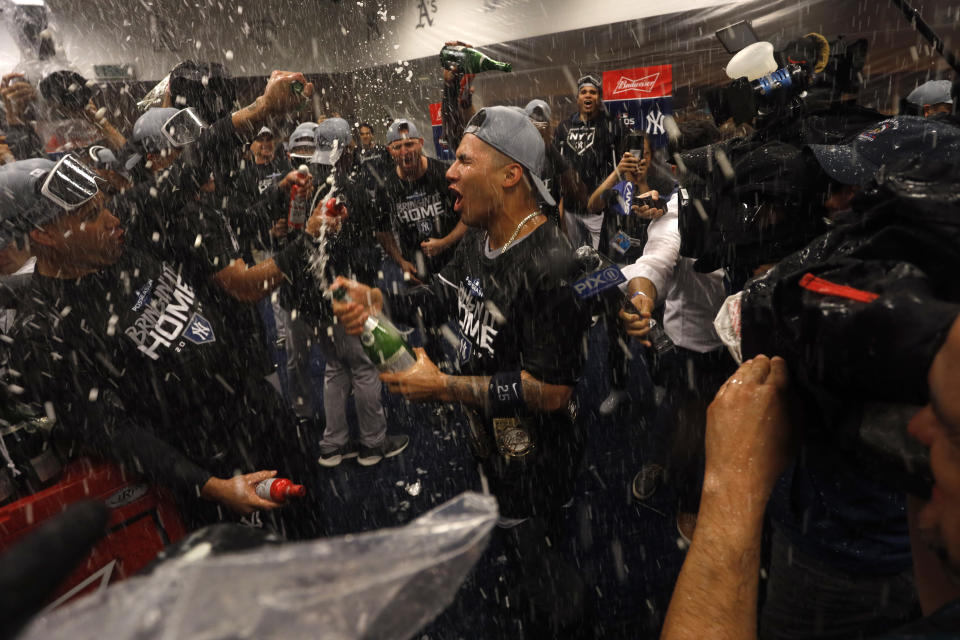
(749, 445)
(521, 332)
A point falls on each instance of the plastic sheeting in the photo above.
(381, 585)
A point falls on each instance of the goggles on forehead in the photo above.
(183, 127)
(588, 79)
(70, 184)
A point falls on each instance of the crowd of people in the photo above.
(790, 287)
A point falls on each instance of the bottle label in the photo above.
(400, 360)
(298, 209)
(263, 488)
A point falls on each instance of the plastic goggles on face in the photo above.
(183, 127)
(70, 184)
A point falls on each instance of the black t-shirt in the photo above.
(376, 164)
(249, 207)
(141, 345)
(517, 311)
(553, 169)
(417, 210)
(591, 147)
(353, 252)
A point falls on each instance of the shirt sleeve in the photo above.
(660, 254)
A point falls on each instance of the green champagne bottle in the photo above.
(469, 60)
(383, 343)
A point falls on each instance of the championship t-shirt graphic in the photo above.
(169, 316)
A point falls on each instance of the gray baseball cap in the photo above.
(538, 110)
(509, 131)
(931, 92)
(331, 138)
(303, 136)
(163, 128)
(25, 205)
(394, 133)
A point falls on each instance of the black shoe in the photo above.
(645, 483)
(391, 446)
(331, 455)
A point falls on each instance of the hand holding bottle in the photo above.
(239, 493)
(421, 382)
(359, 304)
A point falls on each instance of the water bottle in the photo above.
(467, 60)
(298, 214)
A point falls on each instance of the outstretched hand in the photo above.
(239, 493)
(420, 383)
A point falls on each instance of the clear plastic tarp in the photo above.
(380, 585)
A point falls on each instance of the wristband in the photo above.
(505, 393)
(640, 293)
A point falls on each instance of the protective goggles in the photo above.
(183, 127)
(589, 79)
(70, 184)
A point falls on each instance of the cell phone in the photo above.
(634, 144)
(737, 36)
(648, 201)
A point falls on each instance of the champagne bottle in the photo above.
(298, 214)
(383, 343)
(468, 60)
(280, 489)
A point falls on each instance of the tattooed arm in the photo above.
(424, 382)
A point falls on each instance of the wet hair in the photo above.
(365, 125)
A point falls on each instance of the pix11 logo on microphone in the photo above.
(598, 281)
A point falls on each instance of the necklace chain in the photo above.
(516, 231)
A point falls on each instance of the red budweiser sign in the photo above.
(435, 119)
(638, 83)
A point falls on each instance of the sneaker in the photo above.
(646, 481)
(612, 401)
(391, 446)
(331, 455)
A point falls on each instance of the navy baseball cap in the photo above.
(509, 131)
(888, 143)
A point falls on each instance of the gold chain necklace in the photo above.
(516, 231)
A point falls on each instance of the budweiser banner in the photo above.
(439, 144)
(641, 97)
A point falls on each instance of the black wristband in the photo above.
(293, 259)
(505, 393)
